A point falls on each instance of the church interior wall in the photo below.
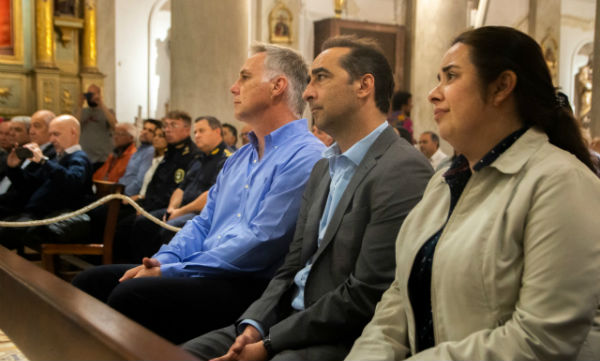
(571, 26)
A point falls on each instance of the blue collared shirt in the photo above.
(341, 169)
(138, 164)
(250, 214)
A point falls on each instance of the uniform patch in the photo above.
(179, 174)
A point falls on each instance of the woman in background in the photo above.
(501, 258)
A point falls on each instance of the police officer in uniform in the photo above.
(171, 171)
(189, 197)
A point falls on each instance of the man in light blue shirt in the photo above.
(141, 160)
(342, 257)
(222, 259)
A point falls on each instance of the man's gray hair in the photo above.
(22, 119)
(129, 128)
(289, 63)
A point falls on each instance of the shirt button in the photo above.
(239, 215)
(246, 186)
(219, 237)
(254, 161)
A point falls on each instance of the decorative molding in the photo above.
(585, 24)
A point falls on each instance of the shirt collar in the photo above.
(281, 135)
(72, 149)
(356, 152)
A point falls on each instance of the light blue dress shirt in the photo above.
(341, 169)
(250, 214)
(137, 166)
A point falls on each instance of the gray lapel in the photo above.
(313, 219)
(381, 144)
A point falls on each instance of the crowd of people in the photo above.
(342, 238)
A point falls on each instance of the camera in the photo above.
(23, 153)
(89, 96)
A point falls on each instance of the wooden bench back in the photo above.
(49, 319)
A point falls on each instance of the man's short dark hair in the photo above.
(366, 57)
(178, 114)
(231, 129)
(157, 123)
(213, 122)
(434, 137)
(400, 99)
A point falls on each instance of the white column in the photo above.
(595, 125)
(437, 23)
(209, 44)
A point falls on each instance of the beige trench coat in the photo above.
(516, 271)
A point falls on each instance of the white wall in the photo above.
(131, 53)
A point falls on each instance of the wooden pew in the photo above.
(48, 319)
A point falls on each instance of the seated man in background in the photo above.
(116, 163)
(61, 184)
(140, 160)
(18, 135)
(189, 197)
(342, 257)
(5, 145)
(12, 201)
(168, 174)
(230, 136)
(429, 144)
(223, 258)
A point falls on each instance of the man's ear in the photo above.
(278, 86)
(503, 86)
(366, 85)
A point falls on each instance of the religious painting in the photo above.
(11, 36)
(6, 33)
(280, 24)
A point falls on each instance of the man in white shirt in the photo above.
(429, 144)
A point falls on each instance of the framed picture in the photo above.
(11, 34)
(280, 24)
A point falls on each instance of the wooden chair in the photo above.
(50, 251)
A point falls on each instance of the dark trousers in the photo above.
(177, 309)
(217, 343)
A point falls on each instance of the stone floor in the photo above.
(8, 350)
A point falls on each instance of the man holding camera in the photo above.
(12, 196)
(97, 124)
(68, 173)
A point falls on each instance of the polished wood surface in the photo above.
(49, 319)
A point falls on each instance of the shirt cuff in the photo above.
(242, 325)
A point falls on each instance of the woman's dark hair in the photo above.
(494, 49)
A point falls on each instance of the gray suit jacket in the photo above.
(355, 263)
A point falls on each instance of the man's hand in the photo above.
(36, 150)
(150, 267)
(248, 337)
(254, 351)
(176, 212)
(12, 160)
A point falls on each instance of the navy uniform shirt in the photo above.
(202, 173)
(170, 173)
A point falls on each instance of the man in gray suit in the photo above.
(342, 257)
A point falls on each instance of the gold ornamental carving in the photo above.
(66, 101)
(44, 33)
(5, 93)
(89, 50)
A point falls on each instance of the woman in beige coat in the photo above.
(501, 258)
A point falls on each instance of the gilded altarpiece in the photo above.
(47, 54)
